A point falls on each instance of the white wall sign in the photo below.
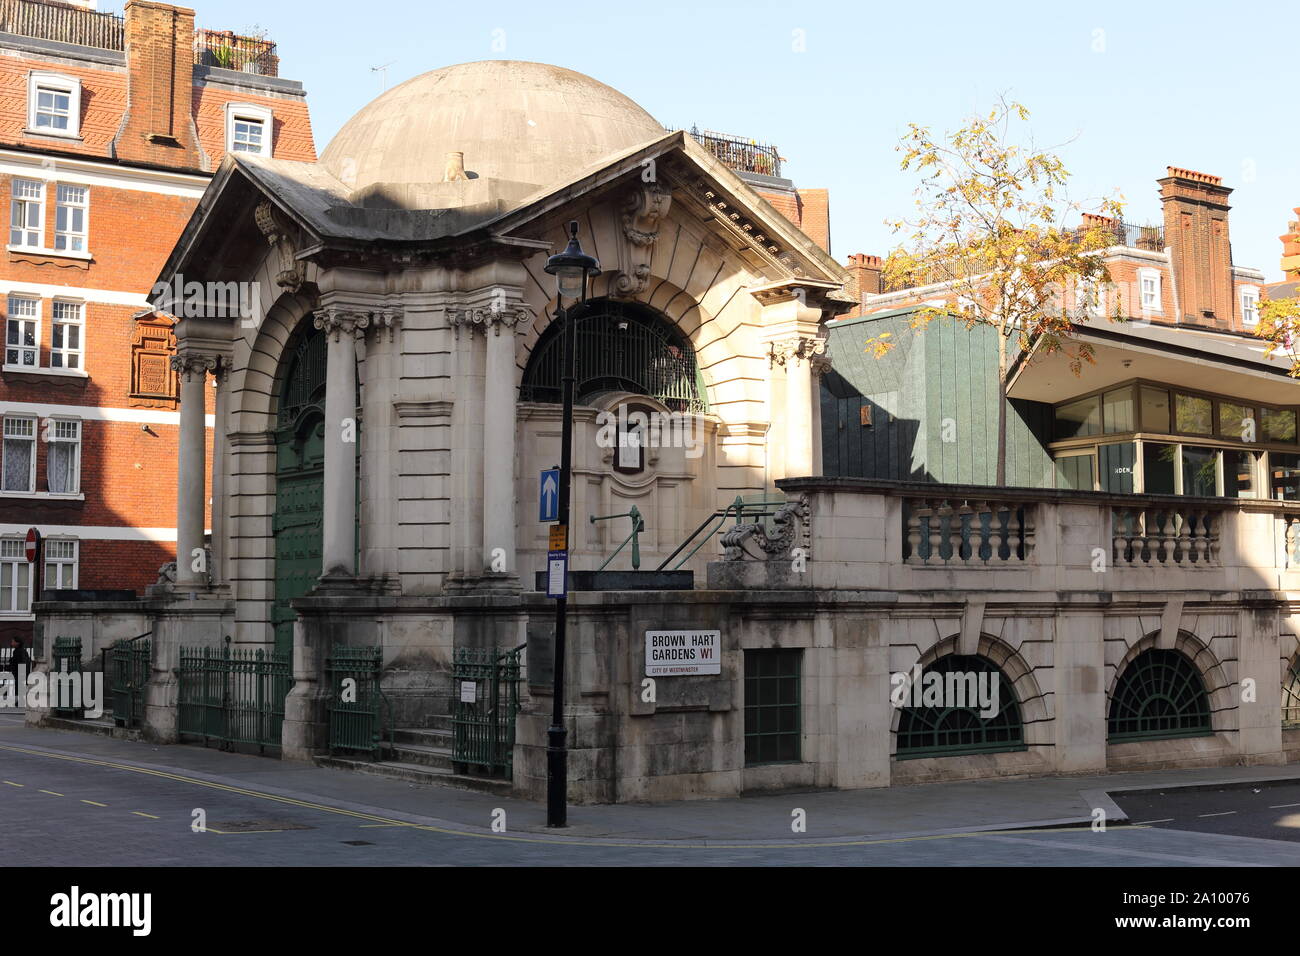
(468, 691)
(676, 653)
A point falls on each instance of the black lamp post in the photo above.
(570, 268)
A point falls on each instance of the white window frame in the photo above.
(73, 561)
(20, 366)
(5, 436)
(62, 355)
(38, 201)
(1249, 298)
(1154, 276)
(13, 554)
(249, 113)
(58, 83)
(63, 431)
(82, 235)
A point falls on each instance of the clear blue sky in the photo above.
(1129, 87)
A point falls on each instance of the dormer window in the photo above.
(1149, 291)
(54, 105)
(248, 129)
(1249, 306)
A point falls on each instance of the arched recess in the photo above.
(677, 307)
(1022, 720)
(1161, 693)
(257, 377)
(619, 347)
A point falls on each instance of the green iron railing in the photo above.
(127, 665)
(485, 685)
(357, 706)
(233, 697)
(638, 525)
(66, 659)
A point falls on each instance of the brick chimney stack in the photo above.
(1291, 248)
(1196, 232)
(159, 122)
(866, 276)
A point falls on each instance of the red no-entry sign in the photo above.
(33, 542)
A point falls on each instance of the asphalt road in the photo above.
(1263, 811)
(69, 809)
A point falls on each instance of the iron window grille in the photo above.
(1291, 695)
(620, 347)
(773, 701)
(1160, 695)
(949, 731)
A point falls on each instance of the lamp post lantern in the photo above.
(571, 269)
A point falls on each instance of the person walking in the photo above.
(20, 658)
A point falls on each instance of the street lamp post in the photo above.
(570, 268)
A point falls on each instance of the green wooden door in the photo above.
(299, 482)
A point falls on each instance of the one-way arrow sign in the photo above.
(548, 496)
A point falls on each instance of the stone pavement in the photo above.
(831, 815)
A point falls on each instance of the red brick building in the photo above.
(110, 128)
(1178, 272)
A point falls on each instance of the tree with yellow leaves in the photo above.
(1279, 326)
(991, 231)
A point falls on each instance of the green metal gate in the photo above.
(485, 688)
(357, 706)
(234, 697)
(66, 659)
(129, 662)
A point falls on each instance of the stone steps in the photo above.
(417, 773)
(441, 739)
(423, 754)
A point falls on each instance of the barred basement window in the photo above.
(1291, 694)
(1159, 695)
(772, 702)
(948, 731)
(15, 577)
(60, 565)
(63, 457)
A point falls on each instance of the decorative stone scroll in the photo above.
(753, 542)
(644, 211)
(512, 319)
(189, 364)
(801, 348)
(271, 225)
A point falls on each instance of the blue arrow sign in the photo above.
(548, 496)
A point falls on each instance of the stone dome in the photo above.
(513, 120)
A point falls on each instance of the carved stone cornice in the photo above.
(644, 210)
(271, 225)
(341, 322)
(801, 348)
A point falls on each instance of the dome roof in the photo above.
(513, 120)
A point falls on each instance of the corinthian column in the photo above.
(499, 441)
(799, 355)
(338, 546)
(191, 563)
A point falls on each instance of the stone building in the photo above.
(381, 426)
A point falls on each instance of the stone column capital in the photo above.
(796, 349)
(386, 321)
(512, 319)
(337, 323)
(190, 363)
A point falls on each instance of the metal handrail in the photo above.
(637, 527)
(764, 510)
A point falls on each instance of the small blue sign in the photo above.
(548, 496)
(557, 573)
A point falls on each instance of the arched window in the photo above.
(1291, 694)
(926, 729)
(1159, 695)
(620, 347)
